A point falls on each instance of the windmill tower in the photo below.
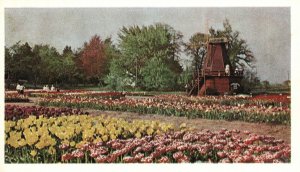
(217, 75)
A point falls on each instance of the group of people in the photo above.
(46, 88)
(21, 88)
(237, 71)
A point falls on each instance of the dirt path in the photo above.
(278, 131)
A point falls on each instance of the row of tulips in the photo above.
(184, 147)
(43, 139)
(43, 93)
(15, 97)
(282, 99)
(177, 107)
(92, 94)
(169, 147)
(14, 112)
(243, 100)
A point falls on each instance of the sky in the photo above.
(266, 30)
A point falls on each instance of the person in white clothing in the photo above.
(227, 70)
(47, 88)
(18, 88)
(52, 88)
(22, 90)
(236, 72)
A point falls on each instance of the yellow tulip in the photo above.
(104, 138)
(33, 153)
(22, 142)
(52, 150)
(138, 135)
(72, 144)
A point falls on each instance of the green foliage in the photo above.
(43, 64)
(196, 47)
(249, 81)
(118, 78)
(157, 76)
(19, 60)
(146, 57)
(138, 45)
(185, 78)
(238, 51)
(48, 68)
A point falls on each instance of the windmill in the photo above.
(216, 76)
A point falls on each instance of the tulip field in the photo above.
(58, 128)
(220, 108)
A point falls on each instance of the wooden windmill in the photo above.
(217, 76)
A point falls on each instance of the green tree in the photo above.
(119, 78)
(21, 63)
(250, 81)
(9, 65)
(138, 45)
(196, 47)
(68, 68)
(49, 66)
(185, 77)
(157, 75)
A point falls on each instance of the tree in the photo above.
(138, 45)
(9, 64)
(237, 48)
(19, 62)
(157, 75)
(118, 78)
(68, 68)
(94, 61)
(49, 64)
(250, 81)
(185, 77)
(111, 52)
(196, 47)
(67, 50)
(266, 84)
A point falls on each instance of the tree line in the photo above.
(145, 57)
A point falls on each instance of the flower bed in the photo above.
(81, 93)
(45, 139)
(259, 100)
(179, 106)
(15, 97)
(86, 139)
(184, 147)
(281, 99)
(138, 94)
(14, 112)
